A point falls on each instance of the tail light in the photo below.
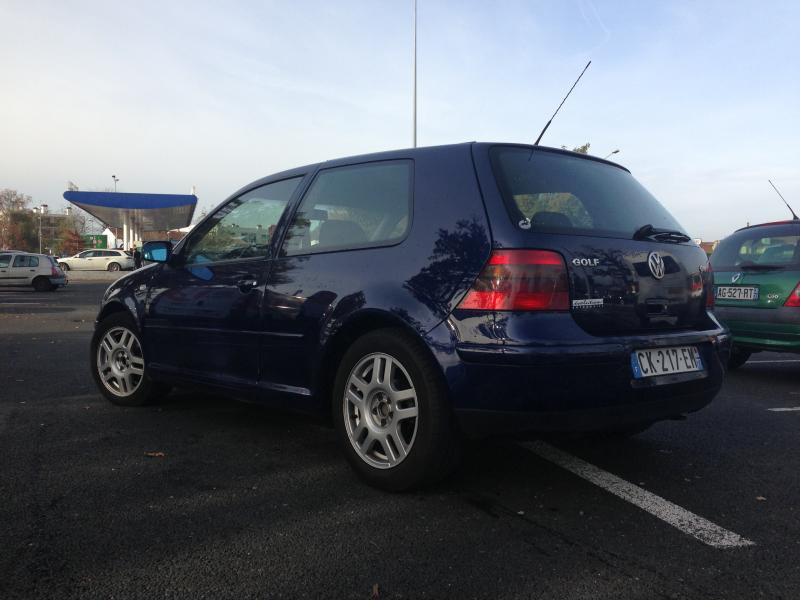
(794, 298)
(710, 291)
(520, 280)
(54, 272)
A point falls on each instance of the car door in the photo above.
(23, 269)
(203, 309)
(338, 244)
(5, 268)
(81, 261)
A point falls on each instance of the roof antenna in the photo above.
(794, 216)
(536, 143)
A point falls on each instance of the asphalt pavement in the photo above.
(205, 497)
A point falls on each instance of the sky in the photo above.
(701, 98)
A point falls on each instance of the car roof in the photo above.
(786, 222)
(405, 153)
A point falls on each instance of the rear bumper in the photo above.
(776, 329)
(581, 386)
(58, 281)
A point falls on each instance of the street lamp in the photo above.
(116, 179)
(610, 153)
(40, 211)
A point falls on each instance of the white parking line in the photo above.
(788, 409)
(680, 518)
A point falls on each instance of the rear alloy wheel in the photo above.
(738, 358)
(118, 363)
(113, 266)
(380, 411)
(64, 267)
(391, 412)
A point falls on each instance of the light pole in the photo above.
(414, 69)
(610, 153)
(116, 179)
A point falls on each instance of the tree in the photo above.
(21, 231)
(11, 201)
(580, 149)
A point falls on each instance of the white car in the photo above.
(98, 260)
(23, 269)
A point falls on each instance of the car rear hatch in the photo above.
(758, 267)
(629, 265)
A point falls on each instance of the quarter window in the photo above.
(353, 207)
(244, 227)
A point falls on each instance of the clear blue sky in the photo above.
(702, 98)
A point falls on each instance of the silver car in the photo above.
(97, 260)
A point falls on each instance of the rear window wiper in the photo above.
(648, 232)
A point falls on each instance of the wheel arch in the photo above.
(337, 343)
(117, 306)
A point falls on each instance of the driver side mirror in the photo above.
(157, 251)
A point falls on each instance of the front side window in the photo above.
(86, 254)
(353, 207)
(244, 227)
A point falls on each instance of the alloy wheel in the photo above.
(120, 362)
(380, 410)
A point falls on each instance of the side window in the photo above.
(33, 261)
(5, 259)
(244, 227)
(86, 254)
(20, 260)
(353, 207)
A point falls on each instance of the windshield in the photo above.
(554, 192)
(759, 247)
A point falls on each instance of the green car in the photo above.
(756, 289)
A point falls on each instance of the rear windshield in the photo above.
(553, 192)
(759, 248)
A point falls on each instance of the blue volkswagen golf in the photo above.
(420, 295)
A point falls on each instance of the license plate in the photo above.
(736, 292)
(665, 361)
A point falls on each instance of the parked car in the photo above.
(757, 288)
(19, 268)
(420, 295)
(98, 260)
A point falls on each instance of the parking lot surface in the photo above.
(205, 497)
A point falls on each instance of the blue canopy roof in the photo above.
(148, 212)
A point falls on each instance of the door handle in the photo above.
(247, 284)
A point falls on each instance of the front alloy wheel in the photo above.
(380, 410)
(120, 363)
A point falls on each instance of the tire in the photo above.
(118, 366)
(113, 266)
(42, 284)
(64, 267)
(738, 358)
(406, 452)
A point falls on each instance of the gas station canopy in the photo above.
(142, 212)
(136, 213)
